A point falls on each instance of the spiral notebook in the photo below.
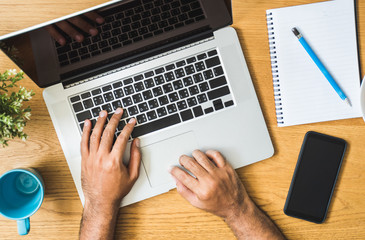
(302, 94)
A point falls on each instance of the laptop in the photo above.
(174, 65)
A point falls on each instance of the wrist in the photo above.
(100, 209)
(240, 211)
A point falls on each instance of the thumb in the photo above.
(135, 159)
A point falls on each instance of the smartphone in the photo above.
(315, 177)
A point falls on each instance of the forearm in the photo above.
(252, 223)
(98, 222)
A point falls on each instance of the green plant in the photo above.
(13, 116)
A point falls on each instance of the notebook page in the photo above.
(306, 95)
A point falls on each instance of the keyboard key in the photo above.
(153, 104)
(211, 62)
(188, 81)
(156, 125)
(191, 102)
(160, 70)
(193, 90)
(203, 87)
(107, 88)
(198, 111)
(149, 83)
(208, 110)
(128, 90)
(186, 115)
(218, 71)
(96, 111)
(198, 78)
(190, 69)
(116, 104)
(108, 97)
(118, 93)
(171, 108)
(127, 102)
(169, 76)
(182, 105)
(173, 97)
(141, 118)
(143, 107)
(75, 99)
(107, 107)
(200, 66)
(217, 82)
(85, 95)
(147, 95)
(149, 74)
(181, 63)
(138, 78)
(163, 100)
(167, 88)
(77, 107)
(151, 115)
(219, 92)
(157, 91)
(121, 125)
(161, 112)
(139, 86)
(96, 91)
(170, 67)
(132, 110)
(98, 100)
(117, 85)
(88, 104)
(208, 74)
(202, 56)
(202, 98)
(178, 84)
(212, 53)
(179, 73)
(218, 104)
(191, 60)
(137, 98)
(128, 81)
(183, 93)
(159, 80)
(83, 116)
(229, 103)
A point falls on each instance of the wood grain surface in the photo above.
(168, 216)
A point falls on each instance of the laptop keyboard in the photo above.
(162, 97)
(131, 23)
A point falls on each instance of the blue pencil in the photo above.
(321, 66)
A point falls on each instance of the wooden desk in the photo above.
(168, 216)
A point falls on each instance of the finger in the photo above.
(185, 178)
(97, 131)
(185, 192)
(85, 139)
(203, 160)
(83, 25)
(95, 17)
(193, 166)
(217, 158)
(108, 134)
(121, 143)
(57, 36)
(70, 31)
(135, 160)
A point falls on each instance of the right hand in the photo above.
(216, 188)
(67, 27)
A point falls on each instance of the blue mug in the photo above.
(21, 195)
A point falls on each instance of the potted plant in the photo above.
(13, 116)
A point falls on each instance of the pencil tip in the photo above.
(348, 102)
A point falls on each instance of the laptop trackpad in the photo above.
(158, 157)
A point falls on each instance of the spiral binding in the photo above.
(274, 69)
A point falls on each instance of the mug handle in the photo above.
(23, 226)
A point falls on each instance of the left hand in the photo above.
(105, 179)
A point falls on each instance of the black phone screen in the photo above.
(315, 176)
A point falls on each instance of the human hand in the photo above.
(216, 188)
(67, 27)
(104, 177)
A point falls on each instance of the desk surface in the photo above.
(267, 182)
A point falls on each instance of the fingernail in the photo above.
(169, 169)
(87, 123)
(93, 31)
(78, 38)
(132, 121)
(138, 142)
(102, 114)
(99, 20)
(118, 111)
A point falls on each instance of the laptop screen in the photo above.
(111, 36)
